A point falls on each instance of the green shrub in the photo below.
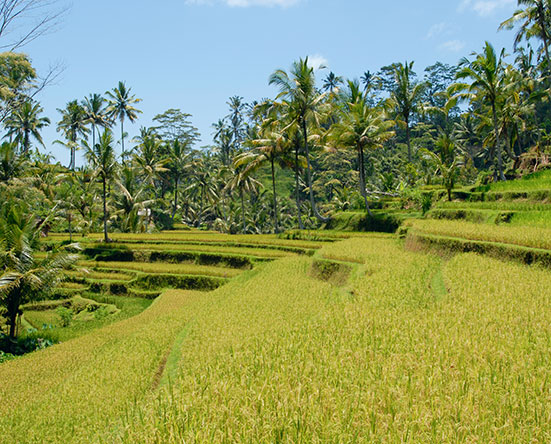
(65, 315)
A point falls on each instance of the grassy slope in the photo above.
(411, 350)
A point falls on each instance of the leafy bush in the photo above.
(65, 315)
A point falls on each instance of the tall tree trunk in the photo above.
(26, 142)
(276, 228)
(361, 167)
(105, 237)
(408, 138)
(498, 147)
(244, 225)
(93, 135)
(122, 143)
(13, 312)
(174, 209)
(311, 189)
(201, 207)
(297, 185)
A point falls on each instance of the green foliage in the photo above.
(65, 315)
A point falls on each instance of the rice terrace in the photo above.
(360, 256)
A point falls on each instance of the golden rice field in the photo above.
(534, 237)
(159, 267)
(412, 349)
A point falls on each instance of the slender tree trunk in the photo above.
(201, 208)
(545, 37)
(311, 189)
(122, 143)
(498, 147)
(276, 228)
(13, 312)
(244, 229)
(174, 209)
(408, 139)
(26, 142)
(93, 135)
(297, 185)
(363, 190)
(105, 237)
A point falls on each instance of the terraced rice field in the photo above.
(407, 348)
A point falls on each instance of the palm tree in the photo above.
(406, 98)
(488, 85)
(237, 131)
(244, 182)
(103, 162)
(367, 79)
(25, 122)
(304, 102)
(94, 105)
(22, 275)
(178, 161)
(273, 146)
(332, 82)
(121, 107)
(148, 159)
(361, 127)
(73, 124)
(446, 162)
(535, 21)
(11, 164)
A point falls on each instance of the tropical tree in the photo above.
(535, 21)
(361, 128)
(406, 98)
(94, 106)
(23, 276)
(177, 164)
(298, 89)
(73, 124)
(11, 164)
(103, 161)
(273, 146)
(148, 159)
(237, 122)
(242, 181)
(121, 106)
(487, 75)
(25, 122)
(332, 82)
(446, 162)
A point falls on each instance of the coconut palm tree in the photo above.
(332, 82)
(535, 21)
(242, 181)
(273, 146)
(361, 128)
(406, 99)
(103, 161)
(25, 122)
(446, 162)
(94, 106)
(23, 276)
(301, 96)
(121, 106)
(487, 73)
(177, 164)
(73, 124)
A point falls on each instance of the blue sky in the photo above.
(195, 54)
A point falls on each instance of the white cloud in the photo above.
(317, 62)
(485, 8)
(452, 46)
(246, 3)
(436, 30)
